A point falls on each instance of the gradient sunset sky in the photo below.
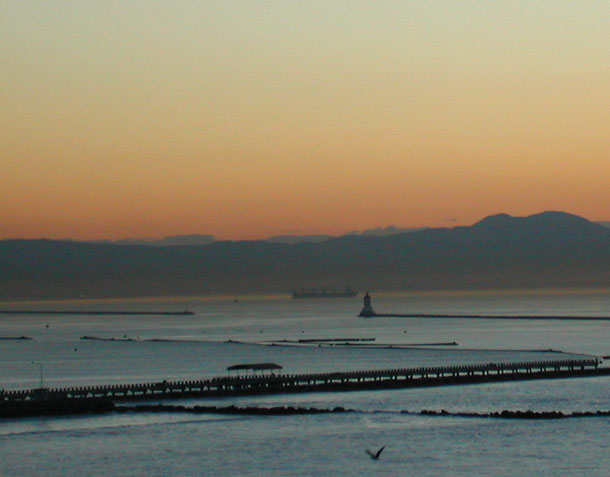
(245, 119)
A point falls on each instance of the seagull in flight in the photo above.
(375, 455)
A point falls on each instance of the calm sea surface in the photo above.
(224, 332)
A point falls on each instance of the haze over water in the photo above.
(162, 444)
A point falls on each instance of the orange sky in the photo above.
(249, 119)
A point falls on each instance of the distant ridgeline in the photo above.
(547, 250)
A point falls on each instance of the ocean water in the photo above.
(224, 331)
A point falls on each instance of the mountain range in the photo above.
(546, 250)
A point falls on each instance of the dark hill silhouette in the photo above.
(551, 249)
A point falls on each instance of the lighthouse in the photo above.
(367, 309)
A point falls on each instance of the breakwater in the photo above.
(55, 407)
(68, 407)
(92, 312)
(368, 312)
(323, 382)
(489, 317)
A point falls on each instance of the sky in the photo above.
(245, 119)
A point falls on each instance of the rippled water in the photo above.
(192, 444)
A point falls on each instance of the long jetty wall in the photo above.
(489, 317)
(319, 382)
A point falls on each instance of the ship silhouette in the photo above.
(323, 293)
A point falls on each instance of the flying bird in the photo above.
(375, 455)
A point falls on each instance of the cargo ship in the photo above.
(347, 293)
